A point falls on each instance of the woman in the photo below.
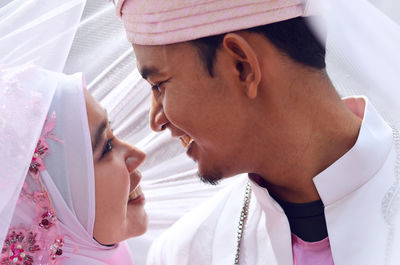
(80, 191)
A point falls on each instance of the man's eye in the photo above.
(156, 87)
(107, 147)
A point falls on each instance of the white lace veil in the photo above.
(44, 38)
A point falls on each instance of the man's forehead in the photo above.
(162, 51)
(158, 60)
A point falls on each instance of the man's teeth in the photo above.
(135, 193)
(186, 140)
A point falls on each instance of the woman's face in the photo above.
(120, 210)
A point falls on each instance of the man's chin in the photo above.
(210, 178)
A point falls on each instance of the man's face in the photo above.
(189, 102)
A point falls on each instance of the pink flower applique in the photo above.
(48, 220)
(19, 248)
(56, 248)
(37, 164)
(42, 148)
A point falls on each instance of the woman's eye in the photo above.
(107, 147)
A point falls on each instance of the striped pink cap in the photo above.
(160, 22)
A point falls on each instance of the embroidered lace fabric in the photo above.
(35, 237)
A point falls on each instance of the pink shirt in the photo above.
(311, 253)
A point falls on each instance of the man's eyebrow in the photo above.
(145, 72)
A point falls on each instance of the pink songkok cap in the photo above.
(160, 22)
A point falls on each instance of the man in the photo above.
(243, 85)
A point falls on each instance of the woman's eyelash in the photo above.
(110, 125)
(107, 147)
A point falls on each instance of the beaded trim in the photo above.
(391, 201)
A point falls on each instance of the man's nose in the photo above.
(158, 120)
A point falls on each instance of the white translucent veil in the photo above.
(363, 53)
(44, 38)
(38, 32)
(362, 59)
(20, 132)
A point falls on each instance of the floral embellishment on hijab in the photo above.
(42, 148)
(37, 159)
(56, 248)
(38, 241)
(19, 248)
(48, 219)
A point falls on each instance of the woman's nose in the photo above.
(135, 158)
(158, 120)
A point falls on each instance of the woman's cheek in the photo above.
(119, 181)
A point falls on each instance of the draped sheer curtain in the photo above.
(100, 50)
(389, 7)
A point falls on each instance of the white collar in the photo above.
(361, 162)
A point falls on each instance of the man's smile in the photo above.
(186, 140)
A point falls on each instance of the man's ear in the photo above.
(247, 64)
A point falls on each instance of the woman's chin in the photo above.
(134, 228)
(136, 221)
(139, 226)
(104, 241)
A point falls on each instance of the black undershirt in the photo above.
(306, 220)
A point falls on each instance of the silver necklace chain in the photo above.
(242, 221)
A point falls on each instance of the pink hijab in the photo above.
(47, 196)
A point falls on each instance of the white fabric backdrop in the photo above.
(101, 52)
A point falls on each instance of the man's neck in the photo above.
(320, 129)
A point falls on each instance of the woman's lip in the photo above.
(139, 200)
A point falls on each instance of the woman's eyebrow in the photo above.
(99, 133)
